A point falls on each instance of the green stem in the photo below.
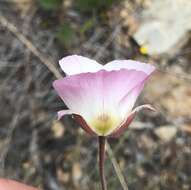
(102, 142)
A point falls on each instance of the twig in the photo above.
(15, 1)
(7, 144)
(116, 168)
(183, 76)
(46, 60)
(107, 43)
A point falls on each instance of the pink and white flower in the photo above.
(101, 97)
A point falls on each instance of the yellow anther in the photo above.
(143, 50)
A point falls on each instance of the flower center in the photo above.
(104, 124)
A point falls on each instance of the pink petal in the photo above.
(79, 119)
(122, 89)
(75, 64)
(6, 184)
(129, 64)
(95, 94)
(126, 103)
(128, 100)
(80, 91)
(84, 125)
(120, 130)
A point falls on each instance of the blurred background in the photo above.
(35, 148)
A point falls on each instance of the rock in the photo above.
(76, 173)
(146, 141)
(164, 26)
(63, 177)
(24, 6)
(137, 125)
(166, 133)
(57, 129)
(169, 93)
(178, 102)
(186, 128)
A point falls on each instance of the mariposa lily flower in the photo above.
(101, 97)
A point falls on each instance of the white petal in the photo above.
(129, 64)
(75, 64)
